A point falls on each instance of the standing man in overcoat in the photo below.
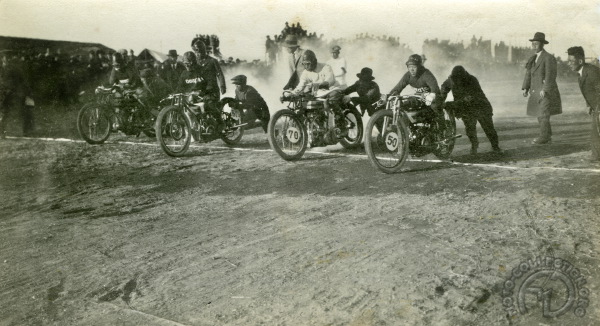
(294, 61)
(589, 84)
(172, 69)
(540, 85)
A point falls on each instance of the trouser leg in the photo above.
(545, 129)
(4, 108)
(595, 136)
(487, 124)
(470, 123)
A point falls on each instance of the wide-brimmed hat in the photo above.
(239, 80)
(366, 73)
(540, 37)
(290, 41)
(336, 48)
(173, 53)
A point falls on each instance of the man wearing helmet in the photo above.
(318, 78)
(210, 69)
(418, 77)
(122, 74)
(423, 80)
(192, 79)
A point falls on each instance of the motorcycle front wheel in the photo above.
(446, 139)
(386, 143)
(233, 136)
(93, 123)
(173, 131)
(355, 129)
(287, 135)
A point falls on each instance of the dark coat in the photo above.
(213, 75)
(171, 75)
(542, 76)
(191, 81)
(467, 94)
(124, 74)
(367, 90)
(250, 98)
(589, 84)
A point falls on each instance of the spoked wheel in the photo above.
(232, 117)
(386, 143)
(93, 123)
(287, 135)
(445, 141)
(173, 131)
(355, 128)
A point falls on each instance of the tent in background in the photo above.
(148, 55)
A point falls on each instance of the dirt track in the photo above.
(121, 234)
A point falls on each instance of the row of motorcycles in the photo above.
(402, 125)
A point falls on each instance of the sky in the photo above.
(242, 25)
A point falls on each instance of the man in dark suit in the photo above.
(540, 85)
(589, 83)
(172, 69)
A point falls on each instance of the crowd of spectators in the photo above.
(499, 60)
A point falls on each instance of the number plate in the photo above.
(293, 134)
(391, 141)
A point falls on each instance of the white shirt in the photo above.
(336, 66)
(537, 56)
(580, 71)
(323, 73)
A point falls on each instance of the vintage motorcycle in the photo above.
(306, 123)
(407, 125)
(115, 109)
(187, 115)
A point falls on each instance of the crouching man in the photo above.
(250, 100)
(470, 104)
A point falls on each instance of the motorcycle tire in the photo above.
(355, 129)
(387, 148)
(287, 135)
(94, 123)
(173, 130)
(234, 135)
(444, 150)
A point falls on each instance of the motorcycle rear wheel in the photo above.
(234, 135)
(444, 150)
(93, 123)
(287, 135)
(386, 143)
(355, 129)
(173, 131)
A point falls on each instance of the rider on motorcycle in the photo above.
(193, 79)
(121, 74)
(318, 80)
(153, 89)
(423, 80)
